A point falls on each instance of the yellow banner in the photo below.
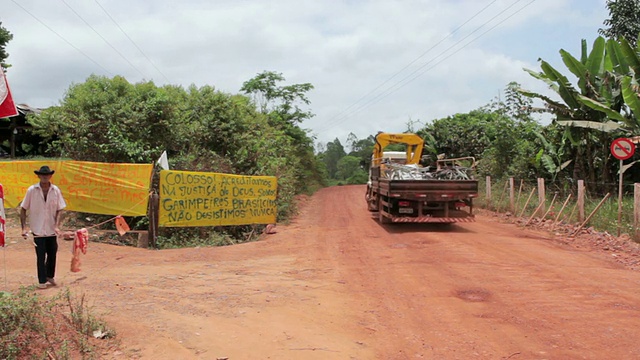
(95, 188)
(209, 199)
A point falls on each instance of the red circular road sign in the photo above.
(622, 148)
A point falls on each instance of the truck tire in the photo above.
(371, 203)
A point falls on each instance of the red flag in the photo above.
(7, 106)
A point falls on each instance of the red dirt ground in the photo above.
(335, 284)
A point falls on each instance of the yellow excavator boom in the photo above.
(414, 146)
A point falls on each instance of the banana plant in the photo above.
(588, 110)
(597, 99)
(551, 156)
(617, 97)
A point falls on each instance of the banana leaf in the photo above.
(576, 67)
(595, 62)
(619, 62)
(544, 98)
(630, 96)
(543, 77)
(548, 163)
(631, 55)
(565, 90)
(609, 126)
(626, 167)
(596, 105)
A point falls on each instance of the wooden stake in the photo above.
(590, 215)
(550, 206)
(520, 190)
(572, 212)
(555, 221)
(534, 213)
(527, 203)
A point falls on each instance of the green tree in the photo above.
(282, 100)
(332, 155)
(362, 149)
(624, 20)
(348, 167)
(281, 106)
(109, 120)
(5, 37)
(502, 145)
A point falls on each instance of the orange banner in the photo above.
(96, 188)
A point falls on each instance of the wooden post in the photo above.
(636, 211)
(143, 239)
(527, 203)
(620, 181)
(590, 215)
(487, 197)
(512, 196)
(580, 200)
(154, 202)
(541, 195)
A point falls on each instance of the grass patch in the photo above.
(33, 326)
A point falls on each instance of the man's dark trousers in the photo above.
(46, 251)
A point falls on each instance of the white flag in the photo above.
(163, 161)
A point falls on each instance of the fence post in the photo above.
(512, 195)
(580, 201)
(488, 193)
(636, 210)
(154, 202)
(620, 184)
(541, 196)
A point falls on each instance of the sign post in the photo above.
(622, 149)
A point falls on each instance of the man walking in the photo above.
(45, 203)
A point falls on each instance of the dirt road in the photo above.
(335, 284)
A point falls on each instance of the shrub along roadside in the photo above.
(58, 327)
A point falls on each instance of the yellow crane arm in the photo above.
(414, 146)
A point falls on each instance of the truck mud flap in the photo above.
(444, 220)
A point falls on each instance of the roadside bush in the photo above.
(59, 327)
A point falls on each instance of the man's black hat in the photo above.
(44, 170)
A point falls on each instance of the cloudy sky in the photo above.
(375, 65)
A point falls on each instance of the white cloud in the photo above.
(345, 48)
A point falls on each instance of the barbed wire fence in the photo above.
(576, 202)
